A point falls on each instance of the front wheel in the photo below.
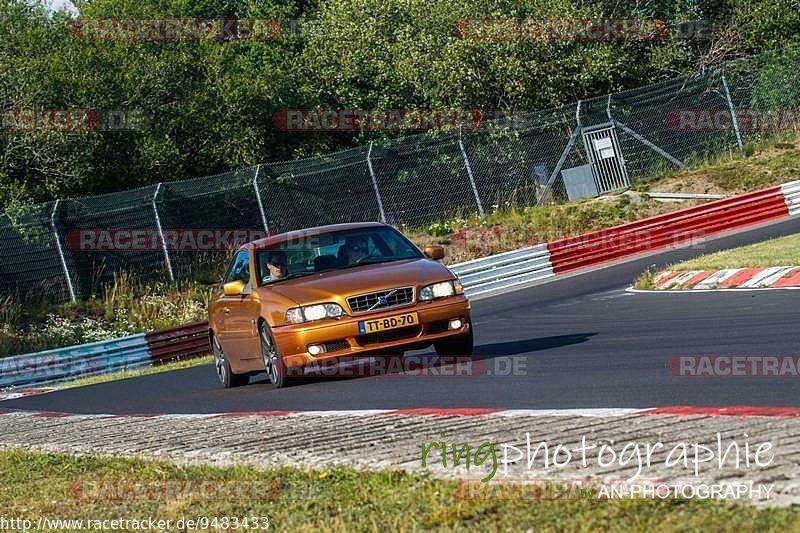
(460, 345)
(224, 373)
(273, 363)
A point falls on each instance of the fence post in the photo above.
(161, 234)
(258, 198)
(548, 190)
(375, 183)
(469, 173)
(733, 113)
(61, 252)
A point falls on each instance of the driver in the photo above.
(276, 264)
(355, 250)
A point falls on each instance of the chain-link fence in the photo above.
(68, 248)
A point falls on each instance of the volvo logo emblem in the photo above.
(382, 300)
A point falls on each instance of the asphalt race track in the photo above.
(579, 342)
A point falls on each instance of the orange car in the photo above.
(297, 299)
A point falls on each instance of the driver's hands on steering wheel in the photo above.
(361, 260)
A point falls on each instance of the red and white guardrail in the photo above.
(102, 357)
(684, 226)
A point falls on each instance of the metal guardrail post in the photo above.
(375, 183)
(469, 173)
(61, 252)
(733, 113)
(258, 199)
(161, 234)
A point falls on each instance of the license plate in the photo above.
(390, 322)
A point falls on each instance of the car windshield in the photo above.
(333, 250)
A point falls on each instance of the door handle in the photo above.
(226, 310)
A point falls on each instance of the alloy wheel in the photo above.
(270, 355)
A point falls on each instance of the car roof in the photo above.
(298, 234)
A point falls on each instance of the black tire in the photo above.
(277, 373)
(224, 373)
(460, 345)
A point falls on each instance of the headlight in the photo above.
(440, 290)
(298, 315)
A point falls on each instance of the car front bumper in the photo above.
(343, 336)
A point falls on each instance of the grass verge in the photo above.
(780, 251)
(339, 499)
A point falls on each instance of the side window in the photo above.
(240, 269)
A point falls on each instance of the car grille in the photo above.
(372, 301)
(388, 336)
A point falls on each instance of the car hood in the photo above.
(336, 285)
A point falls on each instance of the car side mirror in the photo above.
(434, 251)
(233, 288)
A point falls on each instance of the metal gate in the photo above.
(603, 151)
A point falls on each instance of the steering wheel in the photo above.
(370, 256)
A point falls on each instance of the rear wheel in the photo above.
(224, 373)
(460, 345)
(277, 372)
